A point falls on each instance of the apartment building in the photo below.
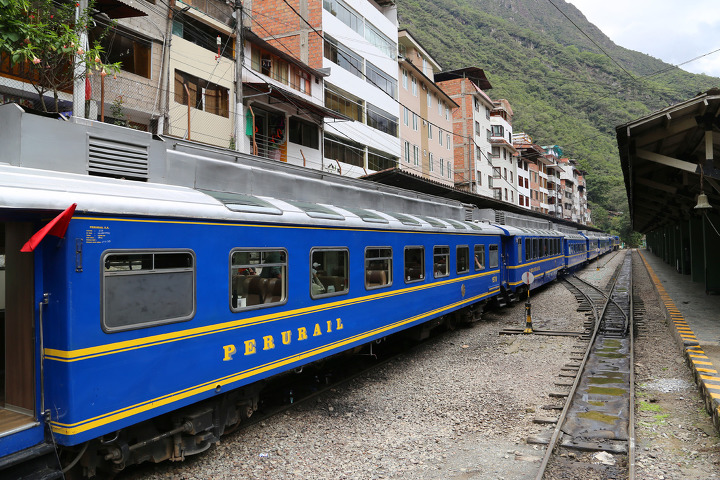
(503, 154)
(426, 124)
(471, 128)
(356, 40)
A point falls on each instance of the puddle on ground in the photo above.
(605, 380)
(616, 392)
(599, 417)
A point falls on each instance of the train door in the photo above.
(17, 337)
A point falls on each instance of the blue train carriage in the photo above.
(604, 243)
(537, 251)
(575, 251)
(592, 242)
(163, 308)
(615, 242)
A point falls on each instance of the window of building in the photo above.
(449, 171)
(304, 133)
(406, 116)
(146, 288)
(414, 264)
(380, 40)
(329, 272)
(447, 113)
(300, 80)
(407, 152)
(493, 256)
(440, 137)
(202, 35)
(487, 134)
(477, 128)
(416, 155)
(487, 113)
(479, 257)
(378, 267)
(258, 278)
(132, 51)
(343, 103)
(490, 181)
(381, 120)
(511, 177)
(429, 130)
(344, 150)
(345, 14)
(378, 160)
(505, 173)
(269, 65)
(440, 106)
(495, 152)
(447, 141)
(497, 130)
(414, 86)
(477, 104)
(404, 79)
(442, 167)
(431, 162)
(201, 94)
(341, 55)
(429, 100)
(380, 79)
(496, 172)
(441, 261)
(463, 259)
(415, 121)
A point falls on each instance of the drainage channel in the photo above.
(593, 437)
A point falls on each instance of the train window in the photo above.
(536, 247)
(545, 247)
(143, 289)
(479, 257)
(414, 264)
(493, 256)
(528, 249)
(441, 260)
(378, 267)
(258, 278)
(463, 259)
(329, 272)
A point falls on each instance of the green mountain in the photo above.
(565, 89)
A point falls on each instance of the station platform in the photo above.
(695, 321)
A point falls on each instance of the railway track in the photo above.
(593, 435)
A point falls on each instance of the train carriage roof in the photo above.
(530, 232)
(44, 190)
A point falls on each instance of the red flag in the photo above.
(57, 227)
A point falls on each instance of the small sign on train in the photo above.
(528, 278)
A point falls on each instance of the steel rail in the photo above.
(631, 412)
(561, 419)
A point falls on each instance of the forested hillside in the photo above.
(563, 89)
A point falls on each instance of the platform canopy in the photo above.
(665, 155)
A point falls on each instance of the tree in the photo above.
(44, 36)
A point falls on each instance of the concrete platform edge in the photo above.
(706, 375)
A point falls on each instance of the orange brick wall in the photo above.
(276, 22)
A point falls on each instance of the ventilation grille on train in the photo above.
(111, 158)
(499, 217)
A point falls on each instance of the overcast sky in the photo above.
(674, 31)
